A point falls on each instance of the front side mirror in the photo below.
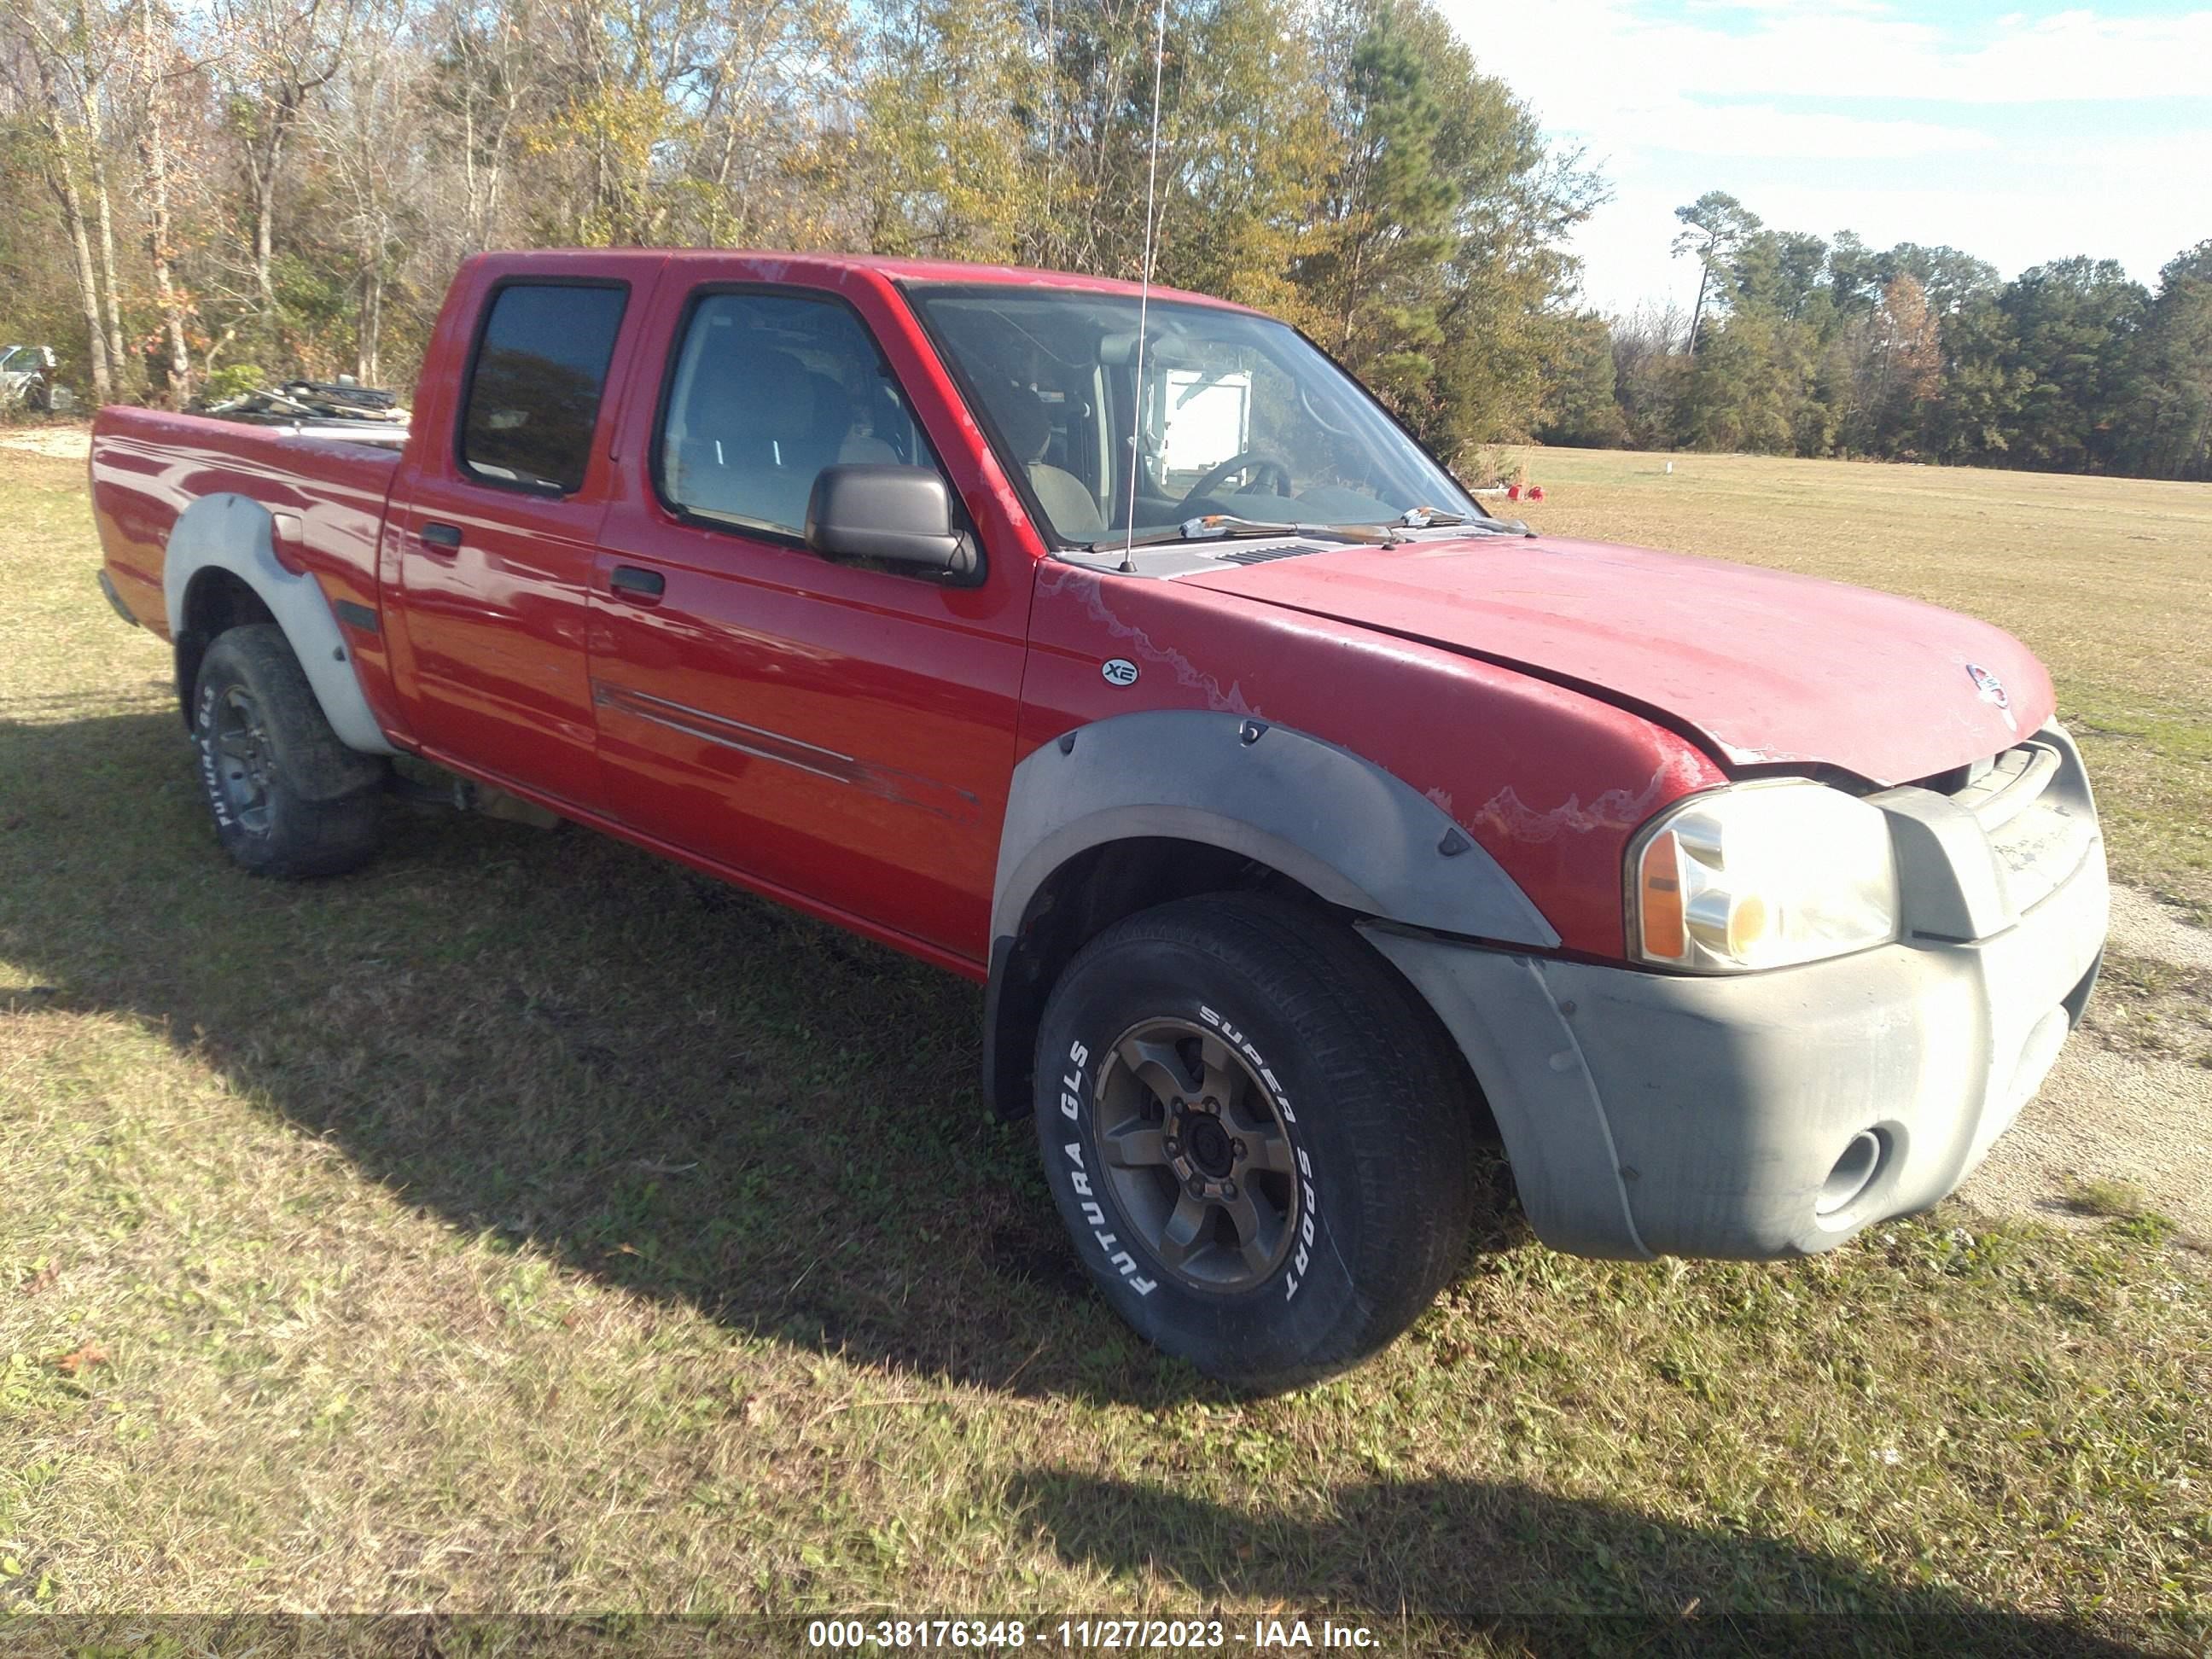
(899, 515)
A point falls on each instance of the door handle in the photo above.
(628, 579)
(440, 537)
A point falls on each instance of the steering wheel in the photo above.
(1262, 466)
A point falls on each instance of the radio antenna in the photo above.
(1051, 118)
(1145, 288)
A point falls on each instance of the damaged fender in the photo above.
(236, 534)
(1341, 826)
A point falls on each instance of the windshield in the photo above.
(14, 359)
(1236, 415)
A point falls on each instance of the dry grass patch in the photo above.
(521, 1223)
(2156, 1008)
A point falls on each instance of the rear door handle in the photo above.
(441, 537)
(638, 584)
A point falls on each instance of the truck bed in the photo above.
(147, 466)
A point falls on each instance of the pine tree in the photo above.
(1713, 227)
(2072, 323)
(2166, 423)
(1746, 388)
(1377, 277)
(1581, 407)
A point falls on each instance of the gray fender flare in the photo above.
(1340, 825)
(1346, 829)
(234, 534)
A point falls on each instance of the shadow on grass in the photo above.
(1434, 1565)
(563, 1043)
(661, 1080)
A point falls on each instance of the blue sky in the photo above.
(2018, 132)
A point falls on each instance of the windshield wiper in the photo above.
(1437, 518)
(1218, 527)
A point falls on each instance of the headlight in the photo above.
(1762, 875)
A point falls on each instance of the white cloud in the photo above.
(1697, 128)
(2079, 55)
(1590, 55)
(1664, 102)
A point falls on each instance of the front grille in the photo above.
(2033, 801)
(2012, 783)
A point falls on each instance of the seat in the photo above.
(746, 450)
(835, 436)
(1026, 426)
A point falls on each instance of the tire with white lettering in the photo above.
(1260, 1143)
(287, 799)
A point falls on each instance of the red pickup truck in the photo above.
(1307, 822)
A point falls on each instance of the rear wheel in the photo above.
(1261, 1145)
(288, 800)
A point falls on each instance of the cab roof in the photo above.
(768, 265)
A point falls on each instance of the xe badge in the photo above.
(1990, 690)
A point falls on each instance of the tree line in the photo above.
(198, 198)
(1799, 346)
(201, 197)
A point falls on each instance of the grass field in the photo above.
(522, 1223)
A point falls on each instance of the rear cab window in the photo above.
(535, 384)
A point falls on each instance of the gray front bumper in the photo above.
(1649, 1114)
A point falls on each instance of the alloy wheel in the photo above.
(1199, 1154)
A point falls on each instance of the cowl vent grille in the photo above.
(1268, 554)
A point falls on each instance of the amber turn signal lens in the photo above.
(1661, 880)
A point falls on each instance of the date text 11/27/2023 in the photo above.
(1262, 1635)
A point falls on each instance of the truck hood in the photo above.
(1763, 666)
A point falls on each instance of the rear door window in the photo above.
(534, 389)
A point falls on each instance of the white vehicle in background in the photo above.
(27, 378)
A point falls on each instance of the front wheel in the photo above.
(288, 800)
(1260, 1143)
